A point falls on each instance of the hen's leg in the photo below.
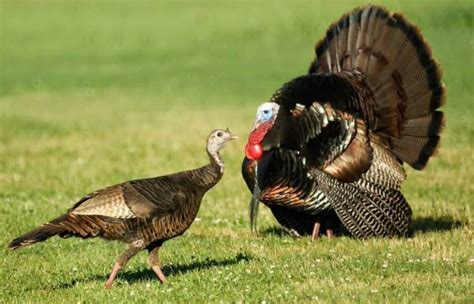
(155, 262)
(121, 262)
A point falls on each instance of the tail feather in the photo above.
(426, 102)
(425, 126)
(78, 225)
(397, 67)
(415, 150)
(39, 234)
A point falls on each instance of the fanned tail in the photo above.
(387, 59)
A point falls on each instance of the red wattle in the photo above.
(257, 135)
(254, 148)
(253, 151)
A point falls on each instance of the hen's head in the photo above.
(218, 139)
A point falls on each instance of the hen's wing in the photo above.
(143, 199)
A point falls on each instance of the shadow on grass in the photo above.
(419, 225)
(276, 231)
(429, 224)
(282, 232)
(147, 274)
(173, 270)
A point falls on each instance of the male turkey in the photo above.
(142, 213)
(329, 146)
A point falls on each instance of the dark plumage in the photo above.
(334, 141)
(142, 213)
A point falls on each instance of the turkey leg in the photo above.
(330, 225)
(121, 262)
(316, 228)
(155, 263)
(329, 233)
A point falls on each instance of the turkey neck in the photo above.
(210, 174)
(217, 165)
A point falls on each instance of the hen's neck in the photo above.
(216, 160)
(209, 175)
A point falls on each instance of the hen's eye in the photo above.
(219, 134)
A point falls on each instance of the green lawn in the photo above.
(97, 92)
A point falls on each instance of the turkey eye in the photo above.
(265, 111)
(219, 134)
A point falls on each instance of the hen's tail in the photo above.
(391, 64)
(39, 234)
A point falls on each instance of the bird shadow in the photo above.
(283, 233)
(431, 224)
(418, 225)
(180, 269)
(146, 274)
(276, 231)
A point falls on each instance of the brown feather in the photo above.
(355, 160)
(389, 62)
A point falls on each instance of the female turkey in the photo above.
(329, 146)
(142, 213)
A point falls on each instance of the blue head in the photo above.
(266, 112)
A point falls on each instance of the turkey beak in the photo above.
(231, 136)
(254, 202)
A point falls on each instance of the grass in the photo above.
(95, 92)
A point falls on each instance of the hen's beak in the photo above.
(231, 136)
